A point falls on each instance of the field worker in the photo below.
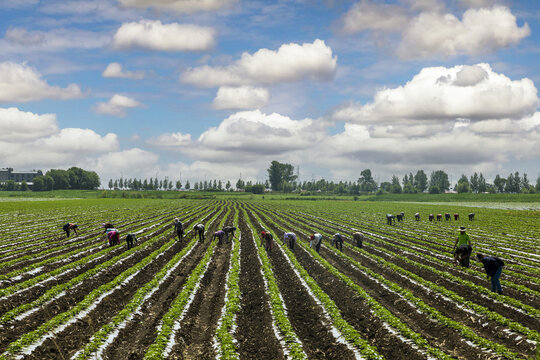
(200, 230)
(267, 239)
(493, 267)
(390, 218)
(417, 216)
(113, 235)
(462, 254)
(220, 234)
(316, 241)
(229, 230)
(447, 216)
(471, 216)
(290, 239)
(430, 217)
(338, 241)
(129, 240)
(179, 228)
(358, 238)
(456, 216)
(70, 226)
(464, 241)
(106, 226)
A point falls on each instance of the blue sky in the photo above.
(211, 89)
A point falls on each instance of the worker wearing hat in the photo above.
(462, 248)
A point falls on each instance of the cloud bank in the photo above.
(290, 63)
(116, 106)
(22, 83)
(153, 35)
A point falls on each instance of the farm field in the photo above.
(397, 297)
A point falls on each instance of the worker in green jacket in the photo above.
(462, 248)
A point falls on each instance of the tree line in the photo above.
(281, 178)
(57, 179)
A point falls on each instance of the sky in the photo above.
(217, 89)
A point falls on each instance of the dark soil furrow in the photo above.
(255, 335)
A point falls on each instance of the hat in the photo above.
(461, 228)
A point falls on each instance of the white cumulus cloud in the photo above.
(180, 6)
(171, 141)
(81, 141)
(116, 106)
(425, 29)
(31, 140)
(290, 63)
(479, 31)
(243, 97)
(251, 136)
(114, 70)
(366, 15)
(133, 161)
(153, 35)
(17, 125)
(439, 93)
(22, 83)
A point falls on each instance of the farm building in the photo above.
(7, 174)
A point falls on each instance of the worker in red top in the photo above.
(267, 239)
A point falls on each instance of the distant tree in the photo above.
(178, 185)
(111, 184)
(228, 185)
(11, 185)
(366, 181)
(499, 183)
(60, 177)
(525, 183)
(240, 184)
(170, 185)
(24, 186)
(214, 185)
(434, 189)
(463, 185)
(116, 184)
(188, 185)
(386, 186)
(439, 179)
(482, 186)
(39, 183)
(196, 186)
(220, 185)
(121, 183)
(537, 187)
(513, 183)
(256, 189)
(395, 188)
(420, 181)
(474, 183)
(280, 174)
(409, 189)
